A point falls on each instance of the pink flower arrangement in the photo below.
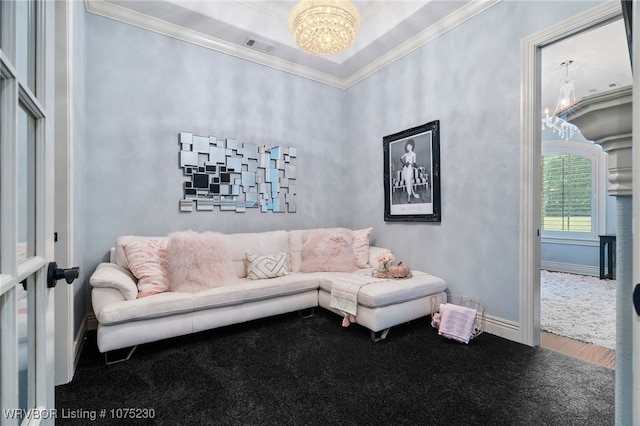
(385, 257)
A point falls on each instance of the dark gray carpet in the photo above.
(287, 370)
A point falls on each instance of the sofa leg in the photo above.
(383, 335)
(106, 357)
(307, 313)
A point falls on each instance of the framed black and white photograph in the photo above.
(412, 174)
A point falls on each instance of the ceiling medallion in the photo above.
(324, 27)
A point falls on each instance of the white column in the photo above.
(607, 120)
(636, 220)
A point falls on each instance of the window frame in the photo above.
(597, 156)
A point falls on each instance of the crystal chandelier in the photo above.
(566, 98)
(324, 27)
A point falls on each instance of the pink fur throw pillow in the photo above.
(198, 261)
(327, 250)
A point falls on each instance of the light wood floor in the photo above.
(575, 348)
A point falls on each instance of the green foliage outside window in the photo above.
(566, 193)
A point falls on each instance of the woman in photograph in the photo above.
(408, 162)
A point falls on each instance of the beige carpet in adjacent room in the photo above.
(581, 307)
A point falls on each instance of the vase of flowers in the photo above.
(384, 260)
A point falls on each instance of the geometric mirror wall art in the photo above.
(228, 175)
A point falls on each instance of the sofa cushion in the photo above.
(198, 261)
(295, 247)
(327, 250)
(267, 266)
(114, 276)
(117, 311)
(160, 305)
(258, 243)
(246, 290)
(148, 262)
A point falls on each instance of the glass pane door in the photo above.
(26, 173)
(26, 209)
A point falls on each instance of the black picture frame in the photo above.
(422, 168)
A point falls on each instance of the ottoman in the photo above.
(385, 303)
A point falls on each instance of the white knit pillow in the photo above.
(270, 266)
(360, 244)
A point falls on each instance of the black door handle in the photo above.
(54, 274)
(636, 299)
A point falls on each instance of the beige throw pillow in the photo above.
(270, 266)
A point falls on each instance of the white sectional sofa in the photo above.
(126, 320)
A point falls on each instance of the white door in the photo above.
(26, 212)
(636, 213)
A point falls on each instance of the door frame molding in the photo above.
(530, 153)
(63, 222)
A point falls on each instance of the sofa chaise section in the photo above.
(383, 304)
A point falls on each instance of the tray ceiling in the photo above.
(389, 30)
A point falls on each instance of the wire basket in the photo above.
(467, 302)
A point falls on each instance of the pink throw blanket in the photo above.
(457, 322)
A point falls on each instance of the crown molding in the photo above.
(450, 22)
(140, 20)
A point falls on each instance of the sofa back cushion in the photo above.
(257, 243)
(295, 247)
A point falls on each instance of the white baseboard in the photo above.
(92, 322)
(78, 342)
(570, 268)
(502, 328)
(89, 322)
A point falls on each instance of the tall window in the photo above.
(566, 193)
(573, 195)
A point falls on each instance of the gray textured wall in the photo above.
(469, 79)
(143, 88)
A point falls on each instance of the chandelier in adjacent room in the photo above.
(566, 98)
(324, 27)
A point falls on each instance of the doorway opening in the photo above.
(577, 307)
(531, 237)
